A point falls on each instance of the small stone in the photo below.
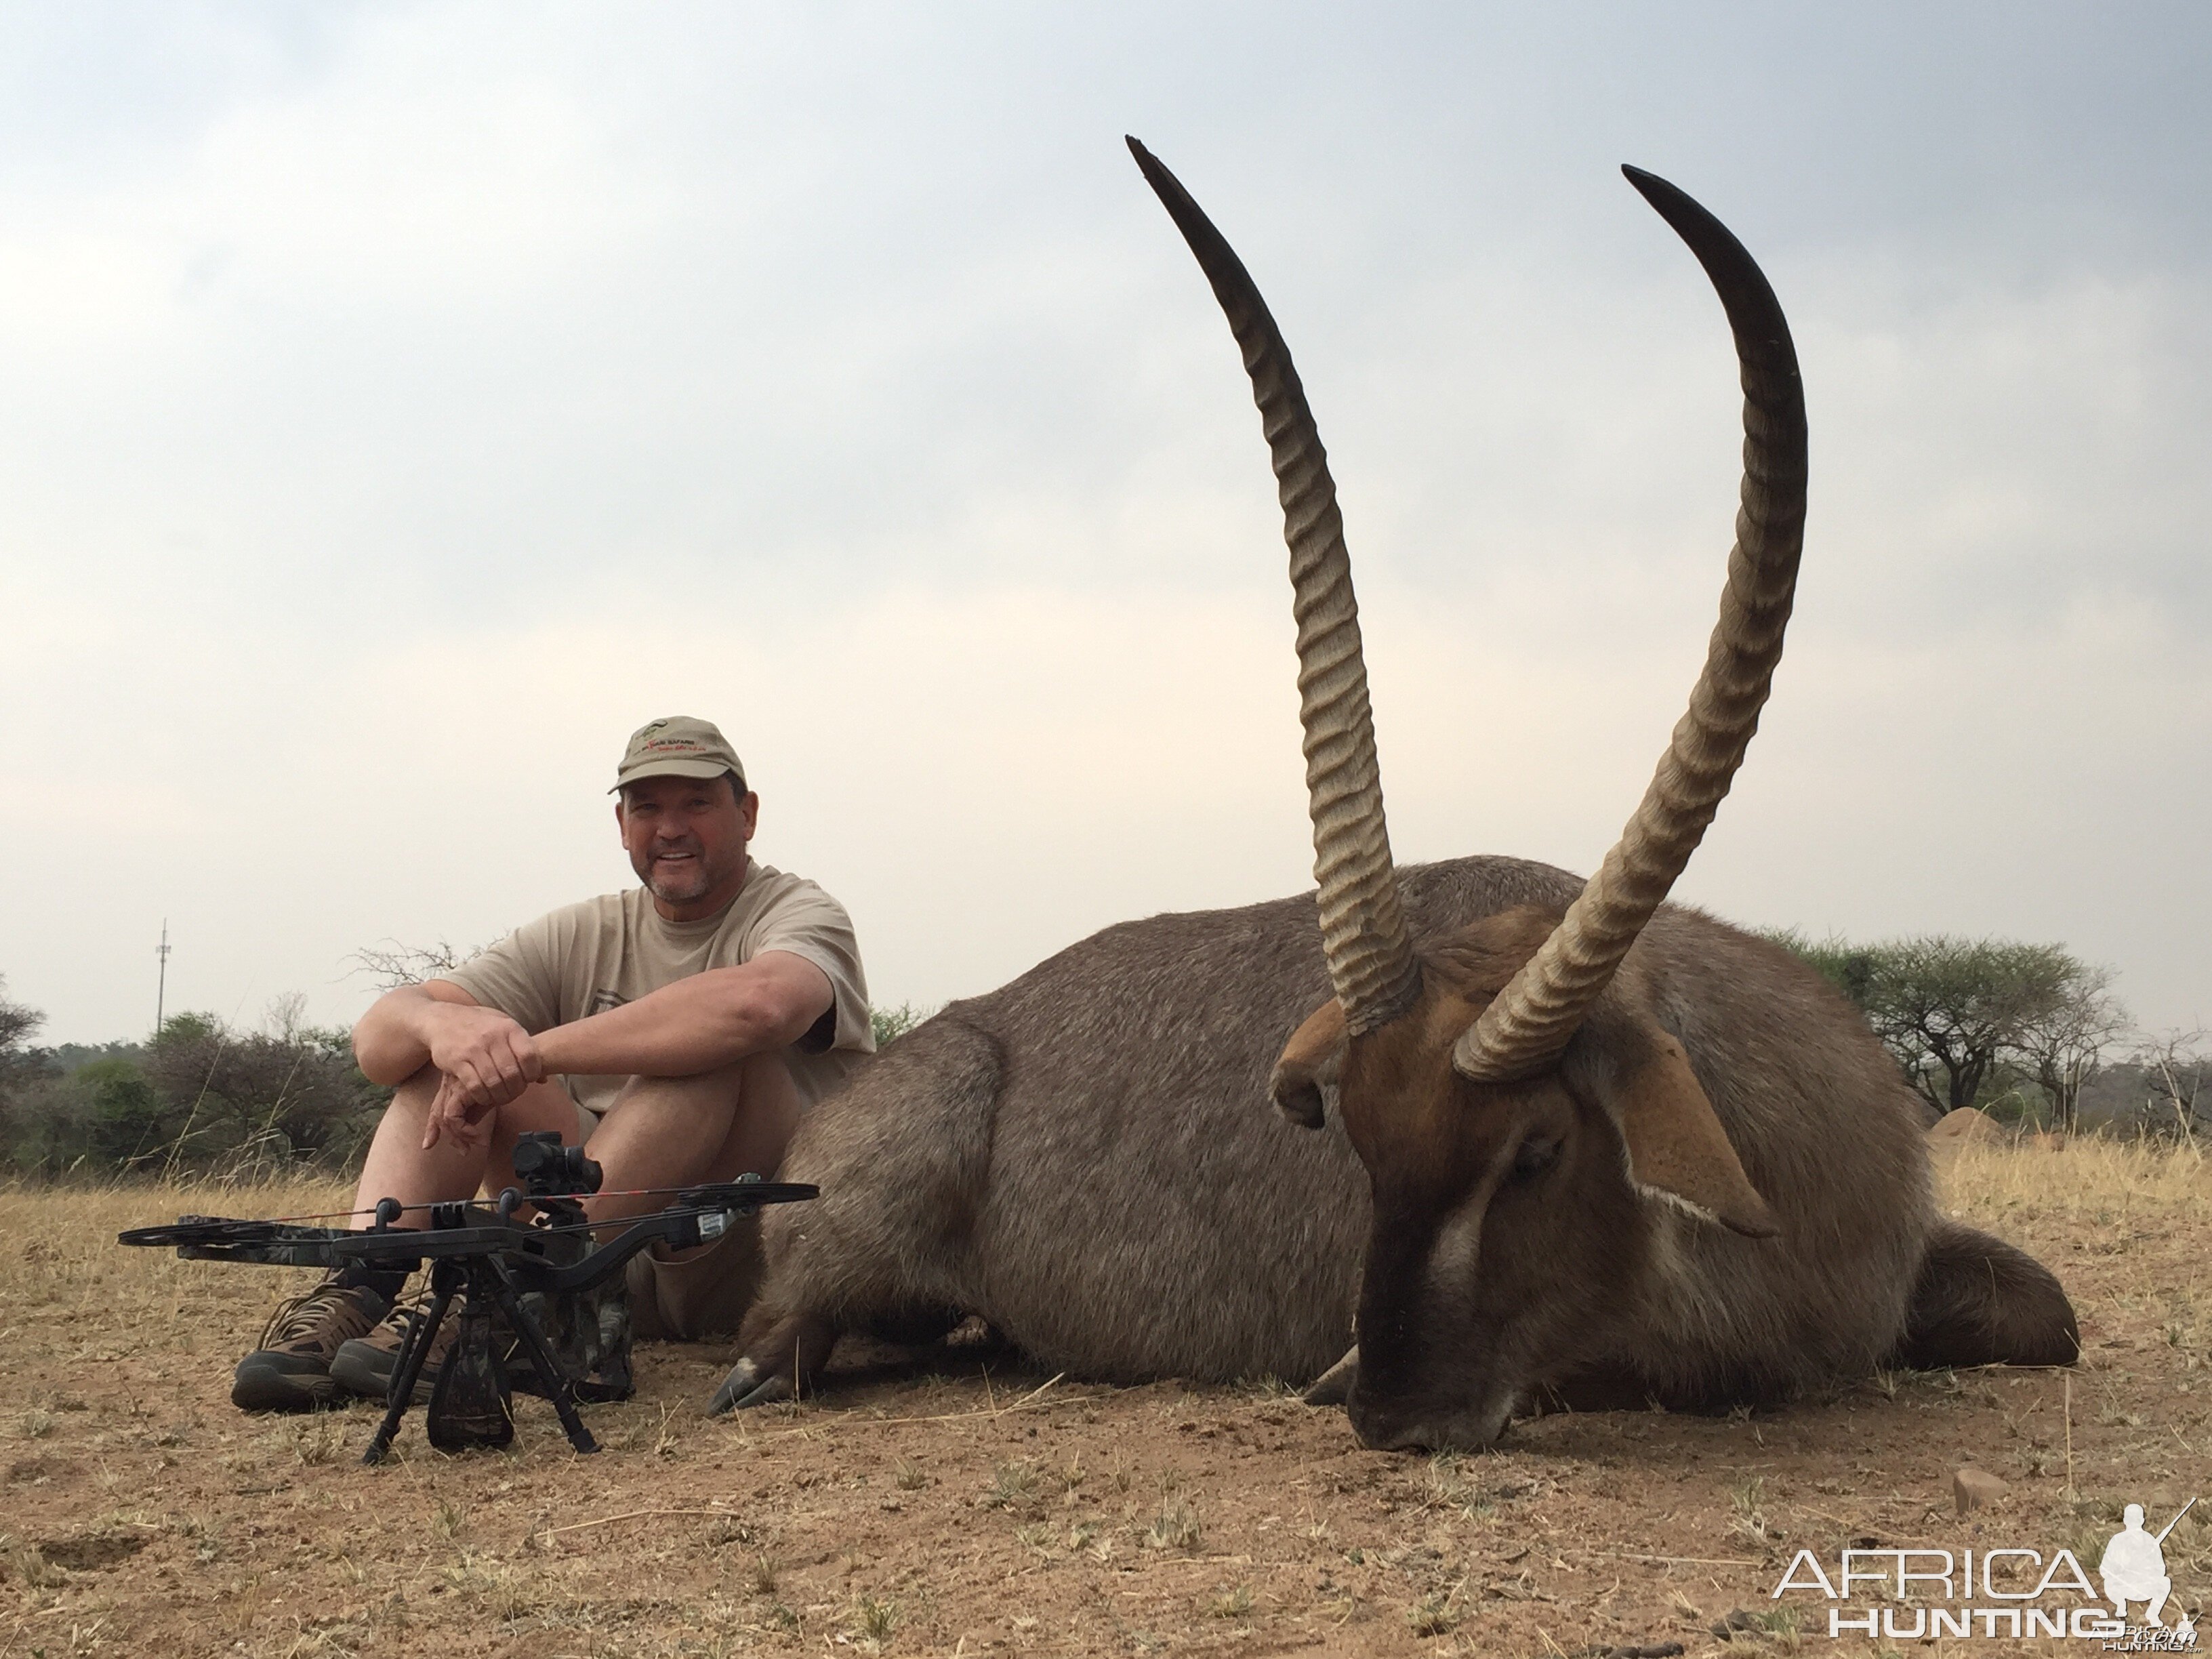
(1972, 1488)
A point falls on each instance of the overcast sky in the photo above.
(399, 404)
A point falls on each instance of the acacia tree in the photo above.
(2175, 1070)
(1956, 1013)
(2064, 1046)
(1962, 1003)
(391, 964)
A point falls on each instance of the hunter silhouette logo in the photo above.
(1924, 1593)
(2133, 1568)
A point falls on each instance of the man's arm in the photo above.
(488, 1057)
(695, 1024)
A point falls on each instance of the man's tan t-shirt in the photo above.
(589, 957)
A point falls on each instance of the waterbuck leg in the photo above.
(782, 1356)
(1980, 1301)
(1334, 1386)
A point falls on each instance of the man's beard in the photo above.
(683, 892)
(670, 887)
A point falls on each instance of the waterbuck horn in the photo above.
(1370, 956)
(1530, 1021)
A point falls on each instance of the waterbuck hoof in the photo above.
(738, 1389)
(772, 1392)
(1334, 1386)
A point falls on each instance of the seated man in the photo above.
(675, 1032)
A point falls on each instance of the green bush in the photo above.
(891, 1024)
(125, 1116)
(201, 1096)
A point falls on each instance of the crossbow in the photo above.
(541, 1274)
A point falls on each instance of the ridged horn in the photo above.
(1370, 956)
(1533, 1018)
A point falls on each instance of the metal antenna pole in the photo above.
(161, 985)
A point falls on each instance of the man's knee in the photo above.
(766, 1080)
(758, 1083)
(716, 1090)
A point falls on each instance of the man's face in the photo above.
(686, 838)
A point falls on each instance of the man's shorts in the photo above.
(701, 1298)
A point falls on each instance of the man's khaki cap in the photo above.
(678, 747)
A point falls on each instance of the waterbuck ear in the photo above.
(1309, 1064)
(1676, 1147)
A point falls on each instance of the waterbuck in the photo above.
(1614, 1151)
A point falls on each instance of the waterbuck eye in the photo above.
(1537, 1154)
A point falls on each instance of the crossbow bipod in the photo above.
(543, 1266)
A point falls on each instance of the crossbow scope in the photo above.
(547, 1169)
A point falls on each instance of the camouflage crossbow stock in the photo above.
(555, 1291)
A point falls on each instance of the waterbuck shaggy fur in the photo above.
(1585, 1145)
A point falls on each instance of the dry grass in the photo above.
(140, 1513)
(58, 1257)
(2106, 1182)
(64, 1235)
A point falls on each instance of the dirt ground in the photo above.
(1003, 1511)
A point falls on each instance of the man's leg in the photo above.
(702, 1292)
(291, 1369)
(667, 1131)
(398, 1166)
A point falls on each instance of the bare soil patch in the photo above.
(989, 1510)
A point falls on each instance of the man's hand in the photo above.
(484, 1059)
(451, 1119)
(490, 1058)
